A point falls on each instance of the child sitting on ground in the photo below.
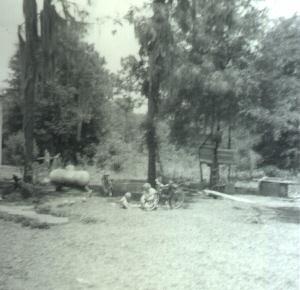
(125, 200)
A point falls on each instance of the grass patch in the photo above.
(25, 222)
(88, 220)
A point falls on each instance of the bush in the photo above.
(117, 165)
(113, 153)
(90, 151)
(247, 160)
(13, 152)
(273, 171)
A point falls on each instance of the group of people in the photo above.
(149, 199)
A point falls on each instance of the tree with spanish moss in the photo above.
(155, 38)
(29, 77)
(71, 87)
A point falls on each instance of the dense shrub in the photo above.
(13, 152)
(117, 164)
(273, 171)
(113, 153)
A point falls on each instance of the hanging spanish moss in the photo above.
(51, 22)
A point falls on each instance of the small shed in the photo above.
(279, 188)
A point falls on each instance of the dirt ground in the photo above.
(209, 244)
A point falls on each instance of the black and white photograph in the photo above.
(150, 144)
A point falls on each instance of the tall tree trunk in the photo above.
(79, 129)
(214, 174)
(48, 27)
(151, 131)
(216, 137)
(155, 59)
(194, 48)
(1, 126)
(194, 17)
(229, 147)
(201, 170)
(127, 132)
(29, 85)
(159, 160)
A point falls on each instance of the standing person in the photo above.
(149, 199)
(107, 184)
(51, 162)
(47, 159)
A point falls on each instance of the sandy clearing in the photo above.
(213, 244)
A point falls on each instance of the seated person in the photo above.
(149, 198)
(125, 200)
(159, 185)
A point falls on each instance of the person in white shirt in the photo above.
(149, 199)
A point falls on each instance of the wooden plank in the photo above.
(274, 204)
(227, 196)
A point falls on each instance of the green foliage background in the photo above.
(223, 63)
